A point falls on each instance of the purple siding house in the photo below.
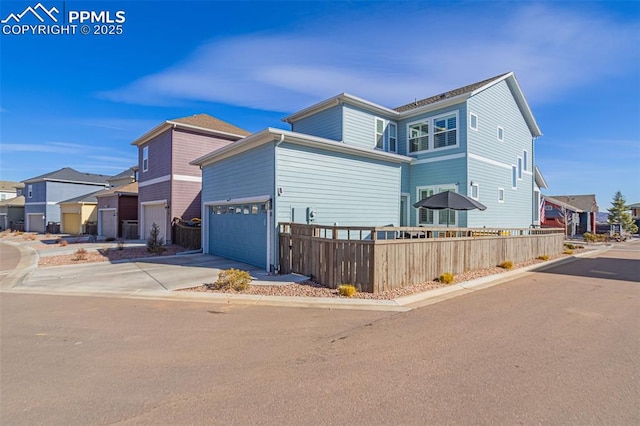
(169, 187)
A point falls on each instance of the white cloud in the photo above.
(391, 59)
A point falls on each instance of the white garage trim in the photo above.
(231, 201)
(100, 218)
(142, 228)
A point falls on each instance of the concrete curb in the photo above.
(400, 304)
(28, 263)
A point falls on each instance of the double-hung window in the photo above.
(514, 177)
(379, 133)
(433, 133)
(145, 158)
(392, 131)
(29, 191)
(445, 131)
(419, 136)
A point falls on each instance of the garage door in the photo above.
(36, 222)
(239, 232)
(154, 213)
(71, 223)
(108, 223)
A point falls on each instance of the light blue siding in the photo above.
(359, 127)
(491, 160)
(325, 124)
(342, 189)
(250, 174)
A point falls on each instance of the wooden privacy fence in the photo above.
(384, 258)
(186, 236)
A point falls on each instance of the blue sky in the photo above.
(79, 100)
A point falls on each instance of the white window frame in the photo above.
(501, 195)
(514, 176)
(476, 186)
(413, 123)
(145, 158)
(500, 134)
(29, 191)
(389, 137)
(525, 158)
(379, 136)
(429, 121)
(471, 117)
(519, 166)
(437, 214)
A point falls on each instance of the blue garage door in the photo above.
(239, 232)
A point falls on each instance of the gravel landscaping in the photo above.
(313, 289)
(104, 255)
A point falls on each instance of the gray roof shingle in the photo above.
(583, 202)
(67, 174)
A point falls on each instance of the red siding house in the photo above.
(169, 187)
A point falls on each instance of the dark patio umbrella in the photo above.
(449, 200)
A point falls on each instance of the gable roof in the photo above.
(7, 185)
(450, 94)
(539, 179)
(129, 173)
(67, 174)
(586, 203)
(553, 200)
(201, 123)
(128, 189)
(13, 202)
(82, 199)
(451, 97)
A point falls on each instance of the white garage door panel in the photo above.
(154, 213)
(36, 223)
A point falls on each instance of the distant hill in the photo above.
(601, 217)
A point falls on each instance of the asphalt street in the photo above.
(555, 347)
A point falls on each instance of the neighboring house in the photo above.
(12, 212)
(10, 189)
(43, 193)
(169, 186)
(558, 214)
(124, 178)
(348, 161)
(116, 205)
(635, 213)
(585, 205)
(77, 213)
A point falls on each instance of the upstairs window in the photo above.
(379, 133)
(500, 134)
(29, 191)
(501, 195)
(475, 191)
(393, 137)
(145, 158)
(524, 160)
(473, 121)
(519, 168)
(445, 131)
(419, 136)
(514, 176)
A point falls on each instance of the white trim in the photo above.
(186, 178)
(489, 161)
(29, 191)
(503, 196)
(499, 134)
(408, 206)
(153, 181)
(527, 173)
(338, 100)
(42, 203)
(408, 130)
(165, 204)
(168, 125)
(441, 158)
(106, 209)
(231, 201)
(471, 115)
(148, 203)
(269, 215)
(388, 138)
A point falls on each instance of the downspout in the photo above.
(271, 242)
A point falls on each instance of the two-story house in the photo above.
(43, 193)
(349, 161)
(168, 185)
(119, 204)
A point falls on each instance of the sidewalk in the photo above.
(159, 277)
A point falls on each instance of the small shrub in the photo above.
(507, 264)
(579, 247)
(63, 243)
(568, 251)
(589, 237)
(570, 246)
(80, 254)
(446, 278)
(346, 290)
(544, 257)
(155, 241)
(232, 279)
(29, 237)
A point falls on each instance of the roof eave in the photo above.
(434, 106)
(338, 100)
